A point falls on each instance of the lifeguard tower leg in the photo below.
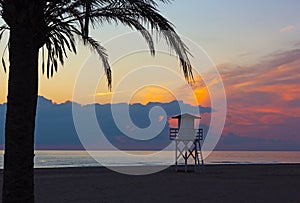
(185, 158)
(196, 156)
(176, 156)
(201, 156)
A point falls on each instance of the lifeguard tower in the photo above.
(187, 141)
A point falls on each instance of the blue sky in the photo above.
(227, 29)
(255, 45)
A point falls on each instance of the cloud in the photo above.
(290, 28)
(247, 129)
(297, 44)
(232, 141)
(263, 109)
(101, 94)
(264, 98)
(55, 128)
(195, 94)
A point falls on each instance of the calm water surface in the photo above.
(55, 159)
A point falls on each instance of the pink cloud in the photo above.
(290, 28)
(264, 99)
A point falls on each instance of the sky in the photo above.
(255, 46)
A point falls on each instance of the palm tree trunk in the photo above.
(18, 176)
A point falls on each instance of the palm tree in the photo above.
(50, 28)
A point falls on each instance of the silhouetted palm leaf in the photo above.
(54, 26)
(68, 20)
(3, 28)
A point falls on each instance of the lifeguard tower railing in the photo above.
(194, 151)
(174, 132)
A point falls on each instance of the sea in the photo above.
(66, 159)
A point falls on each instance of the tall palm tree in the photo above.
(50, 28)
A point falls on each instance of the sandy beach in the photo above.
(220, 183)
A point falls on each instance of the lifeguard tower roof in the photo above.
(186, 115)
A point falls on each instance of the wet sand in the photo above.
(219, 183)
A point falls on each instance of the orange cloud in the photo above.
(101, 94)
(264, 97)
(195, 94)
(152, 94)
(266, 110)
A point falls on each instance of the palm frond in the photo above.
(4, 28)
(101, 51)
(136, 14)
(65, 20)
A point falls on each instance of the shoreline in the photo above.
(219, 183)
(166, 166)
(62, 159)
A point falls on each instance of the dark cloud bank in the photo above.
(55, 128)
